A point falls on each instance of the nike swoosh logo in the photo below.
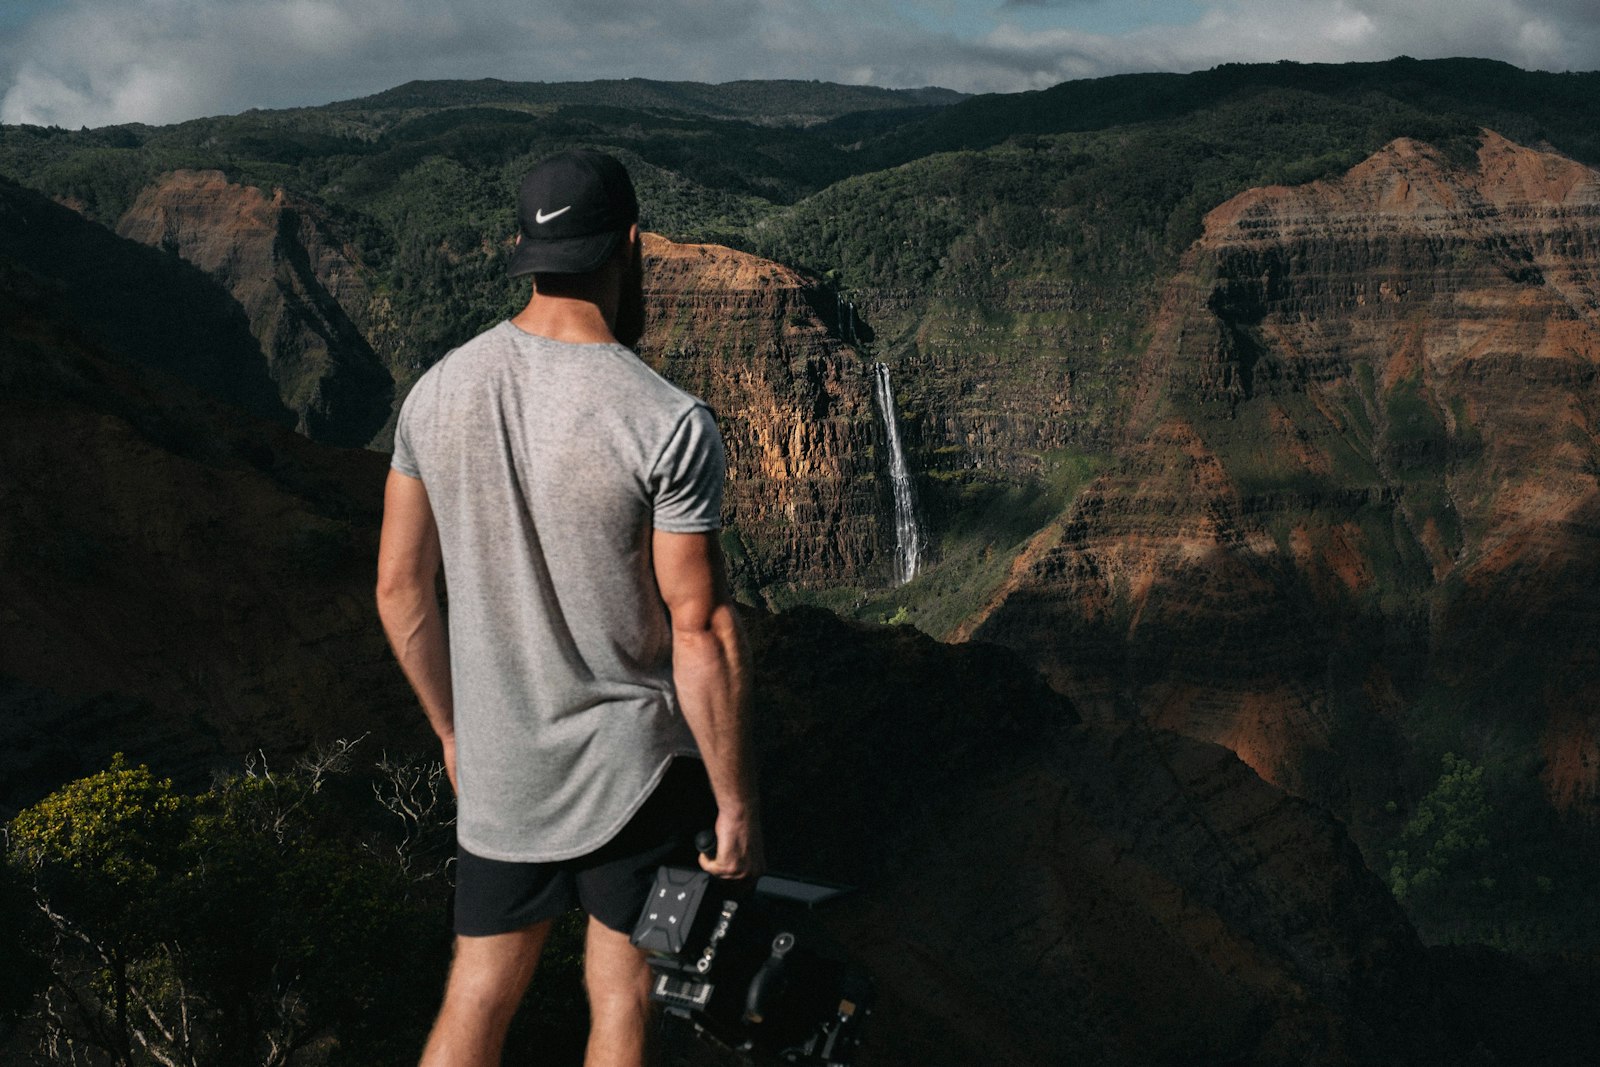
(541, 217)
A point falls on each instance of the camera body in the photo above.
(745, 966)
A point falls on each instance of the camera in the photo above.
(744, 964)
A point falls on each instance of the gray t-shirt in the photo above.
(548, 465)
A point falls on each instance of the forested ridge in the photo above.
(816, 175)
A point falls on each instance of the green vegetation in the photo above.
(1524, 105)
(1482, 859)
(1412, 419)
(276, 918)
(982, 523)
(769, 103)
(1444, 843)
(1119, 198)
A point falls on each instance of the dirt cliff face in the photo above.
(1361, 471)
(304, 292)
(794, 405)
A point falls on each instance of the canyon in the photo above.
(186, 583)
(1225, 551)
(1319, 476)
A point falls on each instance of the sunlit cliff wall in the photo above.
(794, 403)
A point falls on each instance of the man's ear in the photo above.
(630, 248)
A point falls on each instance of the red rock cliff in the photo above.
(794, 405)
(304, 293)
(1362, 465)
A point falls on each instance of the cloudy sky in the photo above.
(96, 62)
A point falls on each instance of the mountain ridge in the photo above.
(803, 102)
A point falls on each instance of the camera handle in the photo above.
(771, 981)
(705, 843)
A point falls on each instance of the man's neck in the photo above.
(565, 318)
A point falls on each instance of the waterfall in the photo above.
(908, 538)
(845, 316)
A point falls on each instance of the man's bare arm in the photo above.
(711, 670)
(408, 566)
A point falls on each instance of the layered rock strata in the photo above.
(807, 490)
(301, 287)
(1362, 464)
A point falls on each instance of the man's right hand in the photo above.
(740, 850)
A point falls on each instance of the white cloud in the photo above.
(94, 62)
(1322, 31)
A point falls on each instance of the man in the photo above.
(593, 658)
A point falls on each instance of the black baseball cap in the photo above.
(573, 210)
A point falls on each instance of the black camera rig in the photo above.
(744, 964)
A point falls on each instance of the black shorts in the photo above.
(610, 883)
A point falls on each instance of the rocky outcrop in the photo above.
(153, 309)
(303, 290)
(794, 403)
(1362, 464)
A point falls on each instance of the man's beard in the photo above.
(630, 302)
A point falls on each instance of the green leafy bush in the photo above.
(266, 920)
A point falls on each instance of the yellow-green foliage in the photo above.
(247, 917)
(102, 842)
